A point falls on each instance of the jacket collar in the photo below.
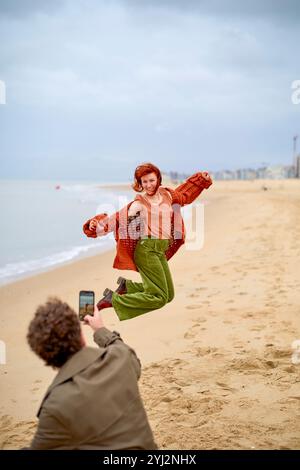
(78, 362)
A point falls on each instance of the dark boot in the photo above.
(106, 301)
(122, 286)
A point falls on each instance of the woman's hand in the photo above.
(98, 226)
(93, 224)
(205, 175)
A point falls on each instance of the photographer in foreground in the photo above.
(94, 400)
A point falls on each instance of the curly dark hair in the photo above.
(54, 334)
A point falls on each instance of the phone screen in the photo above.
(86, 303)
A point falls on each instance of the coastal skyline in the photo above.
(95, 88)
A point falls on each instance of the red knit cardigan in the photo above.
(127, 233)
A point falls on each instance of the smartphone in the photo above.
(86, 303)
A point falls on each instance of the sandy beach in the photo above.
(217, 370)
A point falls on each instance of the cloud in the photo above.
(24, 8)
(144, 80)
(277, 11)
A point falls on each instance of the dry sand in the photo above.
(217, 370)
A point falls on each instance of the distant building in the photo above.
(262, 172)
(247, 174)
(267, 172)
(297, 169)
(173, 177)
(275, 172)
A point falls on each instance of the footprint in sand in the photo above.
(192, 332)
(226, 387)
(203, 351)
(192, 307)
(290, 369)
(277, 353)
(5, 420)
(252, 365)
(257, 328)
(200, 320)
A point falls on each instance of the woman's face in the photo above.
(149, 183)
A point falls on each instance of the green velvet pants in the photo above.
(157, 287)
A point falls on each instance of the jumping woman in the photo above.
(148, 232)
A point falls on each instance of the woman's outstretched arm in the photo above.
(188, 191)
(100, 225)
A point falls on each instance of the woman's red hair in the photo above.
(143, 170)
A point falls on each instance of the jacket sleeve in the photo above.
(50, 434)
(188, 191)
(114, 223)
(110, 225)
(106, 338)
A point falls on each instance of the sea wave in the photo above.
(13, 271)
(94, 193)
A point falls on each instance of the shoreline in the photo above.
(88, 253)
(118, 186)
(38, 265)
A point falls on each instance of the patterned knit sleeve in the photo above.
(188, 191)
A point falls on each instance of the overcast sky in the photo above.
(94, 88)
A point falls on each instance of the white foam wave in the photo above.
(12, 271)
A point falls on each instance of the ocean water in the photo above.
(41, 226)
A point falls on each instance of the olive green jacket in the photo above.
(94, 401)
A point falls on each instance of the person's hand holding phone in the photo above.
(95, 321)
